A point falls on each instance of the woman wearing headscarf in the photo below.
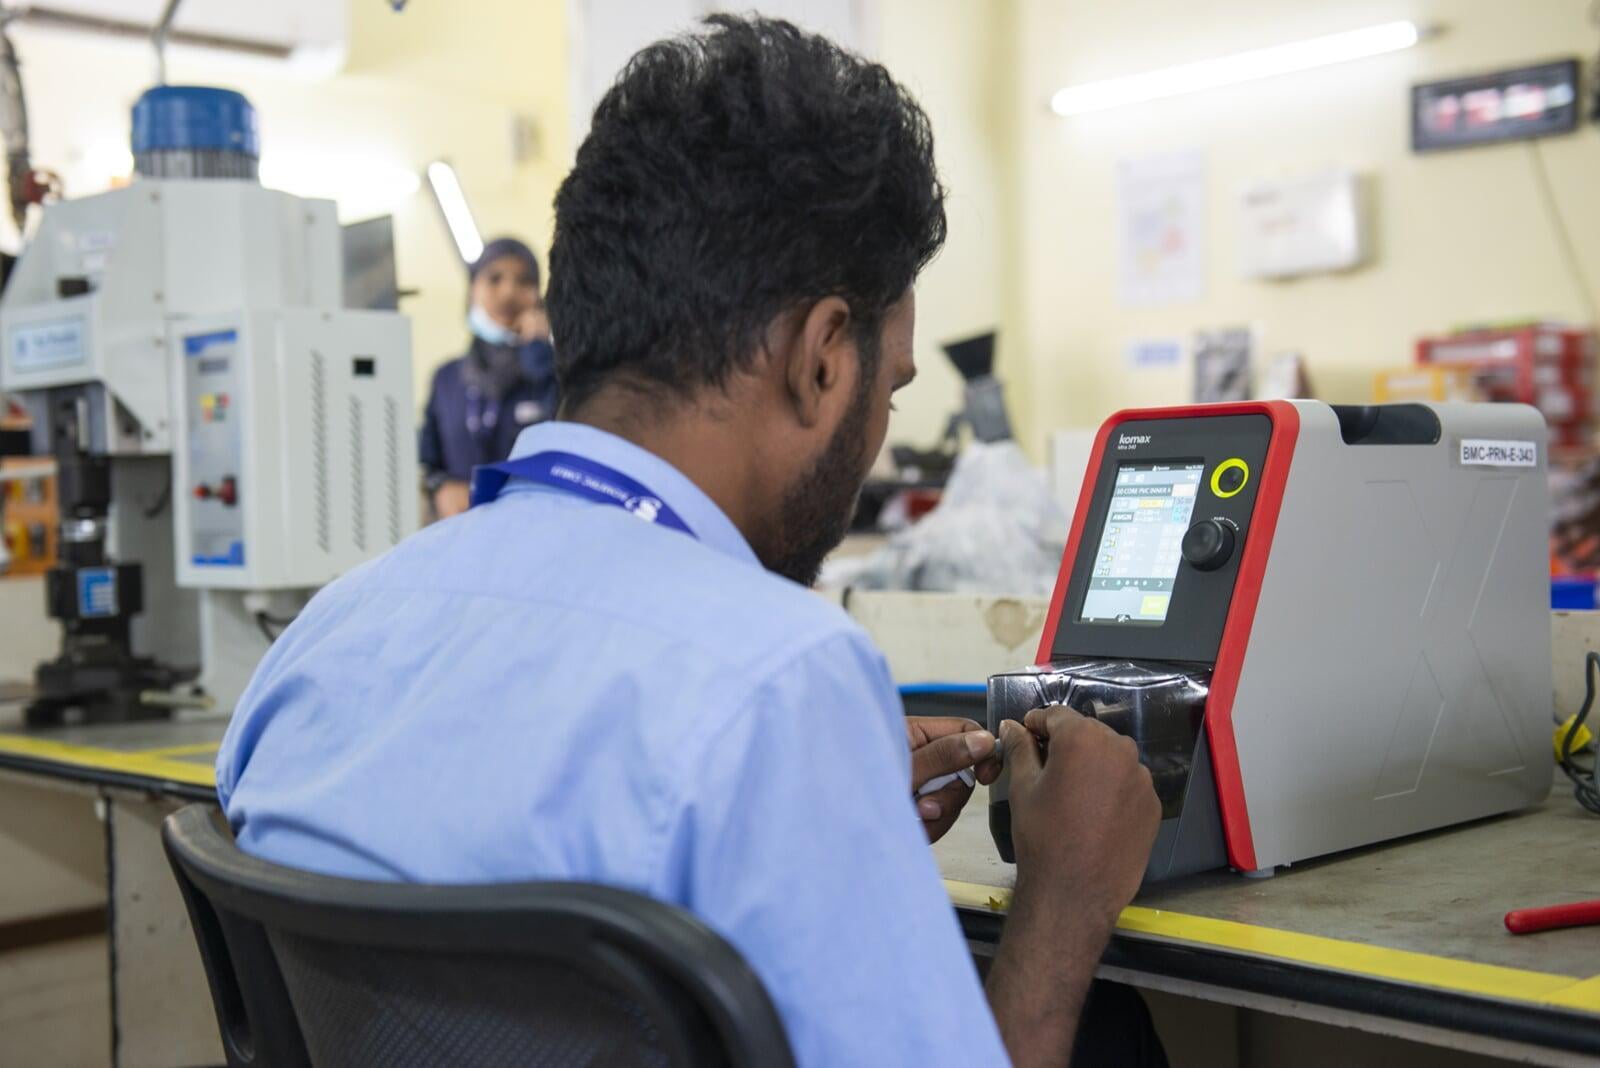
(505, 381)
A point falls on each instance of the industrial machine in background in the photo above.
(228, 436)
(984, 408)
(1325, 626)
(983, 413)
(919, 474)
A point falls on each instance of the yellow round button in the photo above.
(1230, 477)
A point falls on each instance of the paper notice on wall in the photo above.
(1145, 353)
(1161, 208)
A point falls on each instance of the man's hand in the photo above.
(1083, 818)
(943, 745)
(451, 498)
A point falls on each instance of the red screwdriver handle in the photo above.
(1577, 914)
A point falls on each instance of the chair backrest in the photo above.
(308, 969)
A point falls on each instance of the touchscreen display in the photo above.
(1140, 545)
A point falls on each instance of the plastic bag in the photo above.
(998, 529)
(1160, 706)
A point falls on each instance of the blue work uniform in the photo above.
(550, 687)
(463, 428)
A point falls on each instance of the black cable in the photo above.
(162, 501)
(264, 622)
(1584, 785)
(1558, 222)
(1594, 80)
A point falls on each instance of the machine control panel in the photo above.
(1140, 542)
(1165, 526)
(212, 377)
(1208, 544)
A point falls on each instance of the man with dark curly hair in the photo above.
(611, 670)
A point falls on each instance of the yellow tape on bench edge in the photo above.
(1378, 962)
(88, 756)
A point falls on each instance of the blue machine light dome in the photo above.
(192, 131)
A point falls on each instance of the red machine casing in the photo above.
(1241, 611)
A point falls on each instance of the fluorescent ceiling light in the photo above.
(457, 215)
(1231, 70)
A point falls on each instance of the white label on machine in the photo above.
(94, 251)
(45, 346)
(1483, 452)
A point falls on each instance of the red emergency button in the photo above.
(228, 492)
(202, 492)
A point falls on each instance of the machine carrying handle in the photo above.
(1550, 917)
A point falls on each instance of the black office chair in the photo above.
(312, 970)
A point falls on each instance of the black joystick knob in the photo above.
(1208, 544)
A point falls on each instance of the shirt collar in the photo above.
(710, 525)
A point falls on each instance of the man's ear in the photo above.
(821, 359)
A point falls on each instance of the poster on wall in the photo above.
(1222, 360)
(1161, 216)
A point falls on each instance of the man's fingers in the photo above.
(927, 728)
(1052, 719)
(946, 801)
(1019, 749)
(989, 770)
(950, 754)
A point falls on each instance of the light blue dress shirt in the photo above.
(552, 688)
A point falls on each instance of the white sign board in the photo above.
(47, 346)
(1301, 226)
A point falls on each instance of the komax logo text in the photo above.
(1128, 441)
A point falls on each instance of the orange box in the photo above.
(31, 513)
(1424, 384)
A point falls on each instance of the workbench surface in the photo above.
(1409, 930)
(169, 757)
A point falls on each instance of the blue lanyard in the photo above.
(579, 476)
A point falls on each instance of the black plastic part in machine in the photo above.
(1160, 706)
(97, 678)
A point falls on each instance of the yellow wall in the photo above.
(951, 55)
(1032, 247)
(1459, 236)
(417, 86)
(438, 82)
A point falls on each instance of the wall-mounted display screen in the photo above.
(1504, 106)
(1141, 543)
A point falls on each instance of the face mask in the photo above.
(485, 329)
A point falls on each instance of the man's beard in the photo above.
(817, 509)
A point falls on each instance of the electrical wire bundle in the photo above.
(267, 622)
(1584, 785)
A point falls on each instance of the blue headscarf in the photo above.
(500, 248)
